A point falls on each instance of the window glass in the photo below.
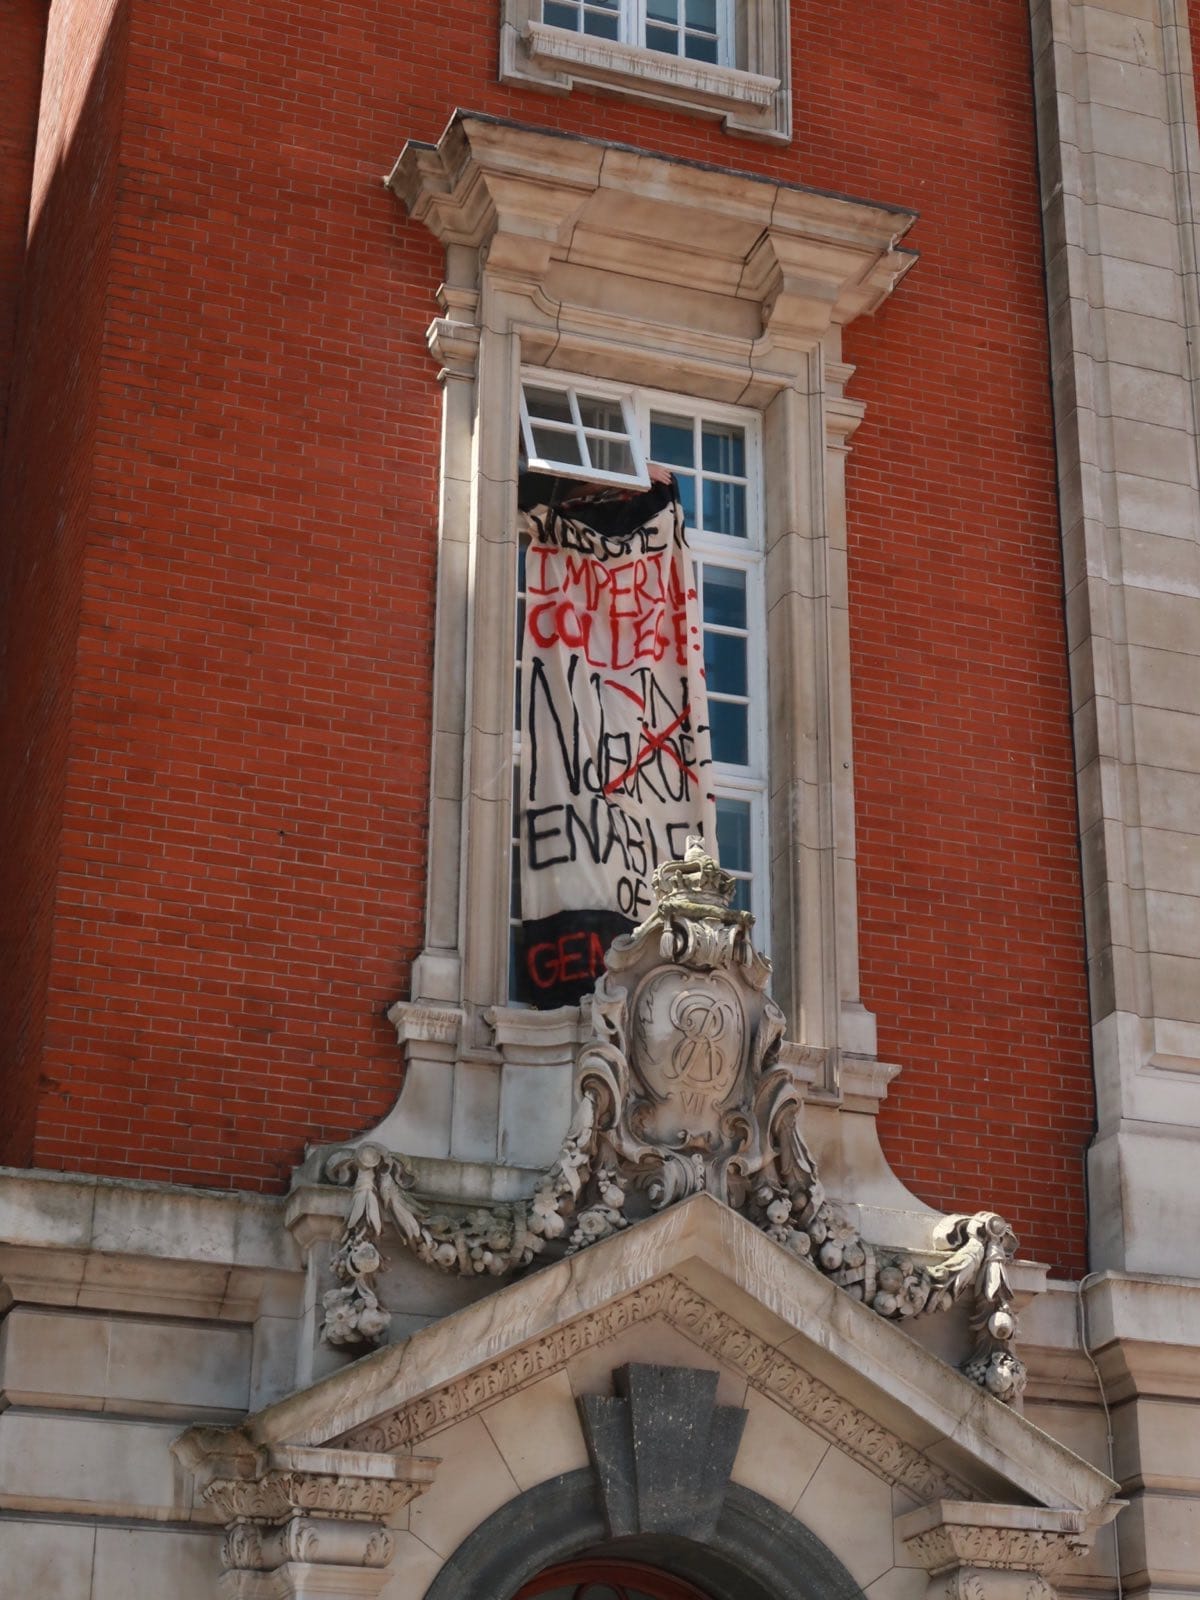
(578, 431)
(700, 30)
(600, 18)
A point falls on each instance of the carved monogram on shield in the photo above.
(680, 1088)
(689, 1050)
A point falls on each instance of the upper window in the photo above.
(718, 58)
(699, 30)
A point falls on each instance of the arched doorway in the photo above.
(608, 1580)
(754, 1552)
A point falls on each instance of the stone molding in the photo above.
(532, 197)
(952, 1534)
(996, 1552)
(602, 59)
(752, 97)
(716, 1333)
(589, 257)
(756, 1551)
(301, 1520)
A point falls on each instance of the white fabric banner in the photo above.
(616, 764)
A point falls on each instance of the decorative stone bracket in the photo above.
(679, 1088)
(302, 1522)
(976, 1551)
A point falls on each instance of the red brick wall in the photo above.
(23, 29)
(242, 872)
(47, 492)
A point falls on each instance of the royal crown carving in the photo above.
(679, 1089)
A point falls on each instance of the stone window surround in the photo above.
(570, 254)
(752, 98)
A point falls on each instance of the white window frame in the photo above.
(575, 390)
(749, 782)
(748, 87)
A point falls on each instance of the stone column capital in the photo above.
(975, 1551)
(302, 1522)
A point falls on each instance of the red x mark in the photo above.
(653, 742)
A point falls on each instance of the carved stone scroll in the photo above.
(679, 1089)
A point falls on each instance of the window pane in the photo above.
(610, 455)
(604, 414)
(664, 39)
(699, 47)
(515, 869)
(702, 14)
(733, 834)
(552, 446)
(663, 10)
(548, 405)
(725, 508)
(724, 596)
(560, 16)
(724, 450)
(687, 498)
(730, 733)
(741, 897)
(725, 663)
(672, 442)
(600, 26)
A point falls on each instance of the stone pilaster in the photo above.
(1117, 133)
(978, 1551)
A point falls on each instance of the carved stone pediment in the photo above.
(696, 1285)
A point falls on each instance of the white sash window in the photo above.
(698, 30)
(715, 453)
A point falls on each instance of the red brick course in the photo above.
(240, 881)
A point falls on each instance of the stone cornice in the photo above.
(530, 197)
(949, 1535)
(719, 1335)
(776, 1315)
(358, 1488)
(289, 1508)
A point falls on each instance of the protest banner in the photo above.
(616, 764)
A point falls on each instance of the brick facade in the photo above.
(246, 529)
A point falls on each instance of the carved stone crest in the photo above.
(679, 1089)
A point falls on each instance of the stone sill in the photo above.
(627, 66)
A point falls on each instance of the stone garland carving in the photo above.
(719, 1335)
(678, 1090)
